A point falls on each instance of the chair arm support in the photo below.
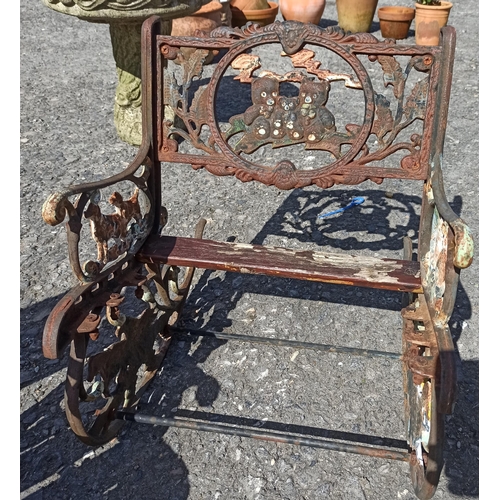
(464, 243)
(116, 234)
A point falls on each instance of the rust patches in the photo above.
(305, 59)
(422, 367)
(265, 435)
(55, 208)
(246, 64)
(109, 231)
(115, 299)
(434, 262)
(421, 353)
(169, 52)
(89, 324)
(50, 332)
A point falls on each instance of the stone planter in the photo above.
(429, 19)
(395, 21)
(125, 19)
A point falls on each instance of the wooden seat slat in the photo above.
(339, 268)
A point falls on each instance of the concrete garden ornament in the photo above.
(125, 18)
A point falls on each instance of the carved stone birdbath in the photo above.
(125, 18)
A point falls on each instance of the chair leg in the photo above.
(103, 378)
(423, 422)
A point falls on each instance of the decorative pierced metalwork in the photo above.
(280, 120)
(116, 234)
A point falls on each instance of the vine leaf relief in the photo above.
(177, 99)
(307, 118)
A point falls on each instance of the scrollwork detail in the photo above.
(56, 207)
(116, 234)
(279, 117)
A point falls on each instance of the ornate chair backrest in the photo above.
(292, 105)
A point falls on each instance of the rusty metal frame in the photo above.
(129, 246)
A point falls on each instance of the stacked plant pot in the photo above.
(257, 11)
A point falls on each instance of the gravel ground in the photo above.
(67, 89)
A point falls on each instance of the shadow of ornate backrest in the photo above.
(359, 108)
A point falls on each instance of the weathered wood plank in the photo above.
(337, 268)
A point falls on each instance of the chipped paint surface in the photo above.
(434, 262)
(464, 244)
(242, 245)
(340, 268)
(374, 276)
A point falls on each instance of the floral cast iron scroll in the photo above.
(357, 150)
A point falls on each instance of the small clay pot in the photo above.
(395, 21)
(249, 4)
(261, 16)
(206, 19)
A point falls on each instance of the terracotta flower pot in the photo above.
(261, 16)
(395, 21)
(249, 4)
(205, 19)
(429, 19)
(356, 15)
(305, 11)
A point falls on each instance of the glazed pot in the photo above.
(429, 19)
(261, 16)
(356, 15)
(305, 11)
(395, 21)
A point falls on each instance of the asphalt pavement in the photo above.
(67, 88)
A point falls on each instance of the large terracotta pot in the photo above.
(261, 16)
(429, 19)
(207, 18)
(356, 15)
(395, 21)
(305, 11)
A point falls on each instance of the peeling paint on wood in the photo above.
(307, 265)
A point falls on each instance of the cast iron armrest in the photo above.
(464, 243)
(446, 248)
(115, 234)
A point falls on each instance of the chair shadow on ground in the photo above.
(52, 457)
